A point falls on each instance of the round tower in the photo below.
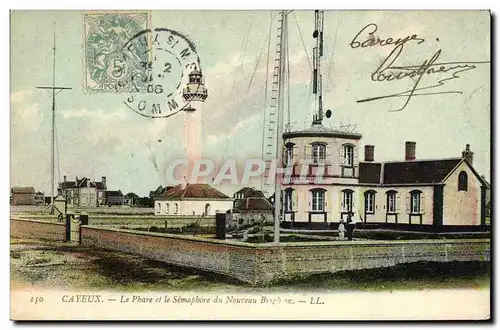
(195, 94)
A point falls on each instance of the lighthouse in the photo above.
(195, 95)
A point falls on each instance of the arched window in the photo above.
(347, 200)
(288, 200)
(176, 208)
(348, 155)
(462, 181)
(392, 201)
(415, 203)
(318, 152)
(318, 200)
(370, 202)
(207, 209)
(167, 209)
(159, 207)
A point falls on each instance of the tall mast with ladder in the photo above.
(317, 56)
(54, 91)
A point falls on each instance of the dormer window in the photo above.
(318, 153)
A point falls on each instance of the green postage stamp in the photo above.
(112, 65)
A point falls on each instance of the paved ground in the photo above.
(66, 266)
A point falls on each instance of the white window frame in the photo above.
(347, 199)
(415, 202)
(318, 200)
(348, 155)
(391, 202)
(370, 202)
(318, 153)
(288, 200)
(289, 155)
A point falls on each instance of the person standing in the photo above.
(351, 223)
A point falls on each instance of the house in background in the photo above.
(83, 192)
(39, 198)
(250, 211)
(192, 199)
(158, 192)
(131, 199)
(114, 197)
(22, 196)
(244, 193)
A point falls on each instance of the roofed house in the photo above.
(22, 196)
(251, 210)
(246, 192)
(114, 197)
(83, 192)
(131, 199)
(192, 199)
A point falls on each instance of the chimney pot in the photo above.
(410, 147)
(369, 153)
(467, 154)
(65, 178)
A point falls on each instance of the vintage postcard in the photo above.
(250, 165)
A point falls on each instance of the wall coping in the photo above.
(297, 244)
(38, 221)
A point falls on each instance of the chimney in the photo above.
(467, 154)
(369, 153)
(64, 178)
(410, 147)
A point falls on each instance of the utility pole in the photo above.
(55, 90)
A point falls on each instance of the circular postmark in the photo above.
(169, 80)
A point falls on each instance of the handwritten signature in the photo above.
(388, 71)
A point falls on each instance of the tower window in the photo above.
(348, 155)
(318, 153)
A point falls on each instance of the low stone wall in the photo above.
(234, 260)
(263, 263)
(21, 228)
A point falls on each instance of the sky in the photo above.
(97, 135)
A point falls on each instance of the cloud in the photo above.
(25, 118)
(20, 96)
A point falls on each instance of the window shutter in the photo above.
(342, 205)
(408, 204)
(295, 155)
(308, 152)
(355, 156)
(422, 203)
(341, 155)
(326, 195)
(398, 203)
(328, 154)
(309, 201)
(295, 200)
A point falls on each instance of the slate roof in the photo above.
(198, 190)
(407, 172)
(254, 204)
(369, 172)
(250, 192)
(23, 190)
(82, 183)
(114, 193)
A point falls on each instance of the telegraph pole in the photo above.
(55, 90)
